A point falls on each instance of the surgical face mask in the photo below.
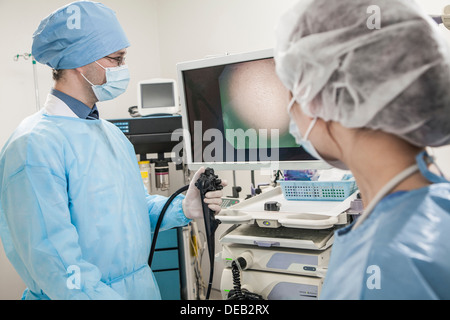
(303, 141)
(306, 144)
(117, 80)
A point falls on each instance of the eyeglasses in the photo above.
(120, 60)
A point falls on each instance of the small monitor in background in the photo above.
(158, 96)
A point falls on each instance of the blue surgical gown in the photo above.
(75, 218)
(402, 250)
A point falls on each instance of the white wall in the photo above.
(162, 33)
(193, 29)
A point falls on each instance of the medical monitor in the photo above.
(158, 96)
(234, 110)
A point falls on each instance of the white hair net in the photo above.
(395, 78)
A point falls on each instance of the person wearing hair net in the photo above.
(370, 100)
(75, 217)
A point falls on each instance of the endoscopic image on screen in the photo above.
(254, 99)
(241, 110)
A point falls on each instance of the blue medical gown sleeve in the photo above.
(174, 216)
(45, 241)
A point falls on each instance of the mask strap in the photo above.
(311, 126)
(100, 65)
(385, 191)
(86, 79)
(291, 104)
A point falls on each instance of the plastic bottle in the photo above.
(144, 166)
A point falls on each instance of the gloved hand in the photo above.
(192, 206)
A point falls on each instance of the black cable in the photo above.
(210, 241)
(160, 219)
(207, 182)
(238, 293)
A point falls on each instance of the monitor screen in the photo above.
(235, 114)
(157, 95)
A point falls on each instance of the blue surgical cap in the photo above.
(78, 34)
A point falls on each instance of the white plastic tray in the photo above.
(292, 214)
(278, 238)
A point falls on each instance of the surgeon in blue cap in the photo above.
(75, 217)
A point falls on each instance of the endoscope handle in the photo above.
(207, 182)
